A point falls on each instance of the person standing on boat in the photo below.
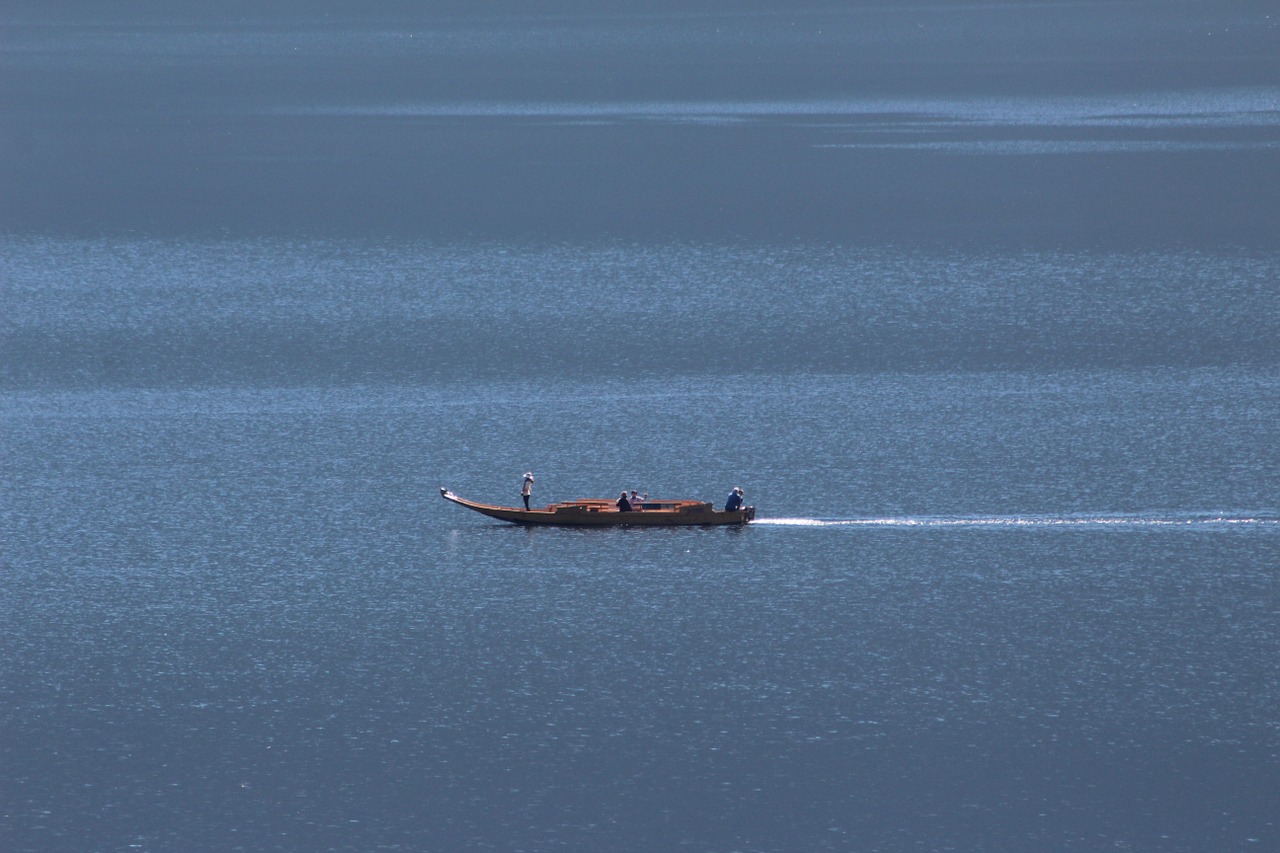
(526, 488)
(734, 501)
(624, 505)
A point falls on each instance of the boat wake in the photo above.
(1098, 520)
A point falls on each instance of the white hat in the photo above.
(528, 475)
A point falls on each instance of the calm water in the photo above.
(989, 342)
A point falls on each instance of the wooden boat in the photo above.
(601, 512)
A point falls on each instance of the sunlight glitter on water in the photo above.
(1229, 107)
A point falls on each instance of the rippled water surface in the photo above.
(978, 303)
(1000, 609)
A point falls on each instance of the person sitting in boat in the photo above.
(624, 505)
(734, 502)
(635, 500)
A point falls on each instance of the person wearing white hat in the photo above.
(526, 488)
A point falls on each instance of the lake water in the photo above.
(979, 305)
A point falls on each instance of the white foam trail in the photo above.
(1019, 521)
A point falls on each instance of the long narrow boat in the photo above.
(600, 512)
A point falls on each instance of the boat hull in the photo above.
(603, 513)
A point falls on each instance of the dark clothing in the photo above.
(734, 502)
(526, 501)
(624, 505)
